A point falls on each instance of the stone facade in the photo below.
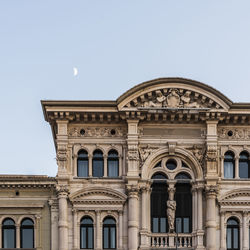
(178, 129)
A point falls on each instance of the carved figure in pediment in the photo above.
(159, 102)
(187, 101)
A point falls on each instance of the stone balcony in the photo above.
(168, 241)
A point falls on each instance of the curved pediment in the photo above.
(236, 197)
(98, 195)
(173, 93)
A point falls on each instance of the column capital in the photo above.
(245, 213)
(132, 190)
(211, 190)
(62, 191)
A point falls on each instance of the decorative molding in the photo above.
(96, 132)
(145, 152)
(237, 133)
(173, 98)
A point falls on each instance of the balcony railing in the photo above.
(170, 241)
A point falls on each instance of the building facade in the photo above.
(165, 166)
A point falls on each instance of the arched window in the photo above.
(113, 163)
(229, 171)
(244, 165)
(98, 163)
(109, 233)
(8, 234)
(27, 233)
(233, 235)
(183, 198)
(82, 164)
(182, 176)
(86, 233)
(159, 197)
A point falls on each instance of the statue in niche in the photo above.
(171, 208)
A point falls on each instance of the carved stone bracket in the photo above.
(62, 190)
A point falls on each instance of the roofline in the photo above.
(173, 80)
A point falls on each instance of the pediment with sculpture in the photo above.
(98, 195)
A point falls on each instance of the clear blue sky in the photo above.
(115, 44)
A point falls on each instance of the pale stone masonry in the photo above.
(169, 155)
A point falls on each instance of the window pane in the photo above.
(178, 225)
(86, 221)
(162, 225)
(235, 230)
(106, 237)
(83, 237)
(82, 168)
(9, 238)
(90, 237)
(113, 166)
(186, 225)
(228, 170)
(243, 170)
(98, 168)
(27, 222)
(112, 237)
(229, 239)
(155, 225)
(27, 238)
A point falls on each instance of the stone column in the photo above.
(120, 245)
(132, 217)
(98, 242)
(194, 213)
(105, 158)
(211, 192)
(18, 236)
(120, 166)
(222, 166)
(237, 167)
(245, 231)
(90, 165)
(222, 231)
(62, 194)
(200, 231)
(54, 223)
(38, 235)
(75, 229)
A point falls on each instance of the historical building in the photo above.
(165, 166)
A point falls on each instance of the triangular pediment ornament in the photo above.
(98, 195)
(173, 98)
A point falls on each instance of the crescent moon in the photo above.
(75, 71)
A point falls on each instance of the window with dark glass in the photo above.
(82, 164)
(229, 169)
(109, 233)
(27, 233)
(159, 197)
(233, 236)
(98, 163)
(171, 164)
(244, 165)
(8, 234)
(183, 198)
(86, 233)
(113, 163)
(182, 176)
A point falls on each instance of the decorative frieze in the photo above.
(173, 98)
(96, 132)
(234, 133)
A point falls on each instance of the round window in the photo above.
(171, 164)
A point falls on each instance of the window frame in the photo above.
(242, 160)
(96, 159)
(229, 160)
(87, 226)
(6, 227)
(22, 227)
(113, 159)
(232, 233)
(109, 226)
(82, 158)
